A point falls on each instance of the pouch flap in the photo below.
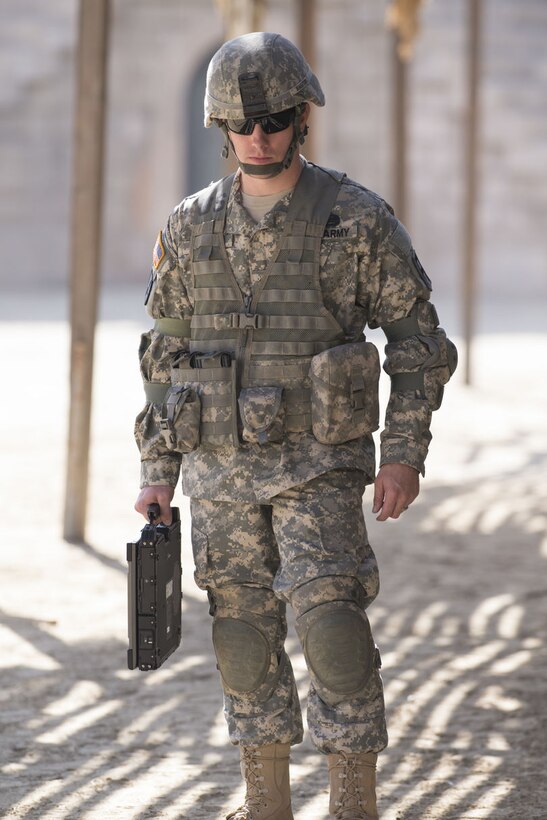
(259, 407)
(175, 399)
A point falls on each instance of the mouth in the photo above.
(260, 160)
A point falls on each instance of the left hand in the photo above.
(395, 488)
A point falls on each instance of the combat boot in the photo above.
(265, 770)
(352, 779)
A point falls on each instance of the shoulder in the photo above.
(203, 204)
(361, 212)
(356, 197)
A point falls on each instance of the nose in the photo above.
(258, 135)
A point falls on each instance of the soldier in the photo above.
(263, 392)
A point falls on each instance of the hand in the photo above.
(161, 494)
(395, 488)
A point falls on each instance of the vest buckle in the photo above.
(248, 320)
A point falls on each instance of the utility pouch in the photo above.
(262, 414)
(345, 392)
(213, 378)
(180, 418)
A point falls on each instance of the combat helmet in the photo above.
(257, 75)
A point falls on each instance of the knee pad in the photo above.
(335, 635)
(249, 630)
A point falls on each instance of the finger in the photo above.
(166, 515)
(378, 496)
(141, 507)
(388, 507)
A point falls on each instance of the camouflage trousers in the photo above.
(253, 559)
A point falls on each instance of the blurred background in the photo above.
(455, 137)
(157, 150)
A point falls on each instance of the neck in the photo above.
(258, 186)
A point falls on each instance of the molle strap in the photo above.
(358, 394)
(173, 327)
(226, 321)
(407, 381)
(289, 348)
(297, 402)
(280, 373)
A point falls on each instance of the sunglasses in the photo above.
(272, 124)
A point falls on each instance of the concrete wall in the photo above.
(156, 51)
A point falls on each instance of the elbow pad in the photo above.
(419, 356)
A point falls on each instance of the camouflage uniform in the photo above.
(263, 390)
(276, 516)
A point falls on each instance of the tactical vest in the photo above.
(258, 350)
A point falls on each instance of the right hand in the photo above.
(161, 494)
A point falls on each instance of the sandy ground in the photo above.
(461, 619)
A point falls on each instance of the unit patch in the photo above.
(159, 252)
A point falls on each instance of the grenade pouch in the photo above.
(180, 418)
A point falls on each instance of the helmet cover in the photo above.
(258, 74)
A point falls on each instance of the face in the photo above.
(260, 148)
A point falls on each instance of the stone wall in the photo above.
(157, 49)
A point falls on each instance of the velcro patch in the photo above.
(159, 252)
(334, 229)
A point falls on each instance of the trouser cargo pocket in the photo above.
(345, 392)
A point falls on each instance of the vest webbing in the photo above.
(286, 317)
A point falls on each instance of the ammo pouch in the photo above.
(180, 417)
(262, 414)
(212, 376)
(344, 403)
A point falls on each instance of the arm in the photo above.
(168, 304)
(419, 359)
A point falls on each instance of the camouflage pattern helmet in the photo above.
(256, 75)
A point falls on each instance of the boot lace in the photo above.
(254, 797)
(350, 806)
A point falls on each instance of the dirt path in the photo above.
(461, 619)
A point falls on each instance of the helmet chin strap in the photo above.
(272, 169)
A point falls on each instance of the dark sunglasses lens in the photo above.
(277, 122)
(270, 125)
(241, 126)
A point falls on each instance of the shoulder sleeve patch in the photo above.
(159, 252)
(401, 245)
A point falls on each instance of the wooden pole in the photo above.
(471, 187)
(241, 16)
(400, 131)
(307, 40)
(85, 251)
